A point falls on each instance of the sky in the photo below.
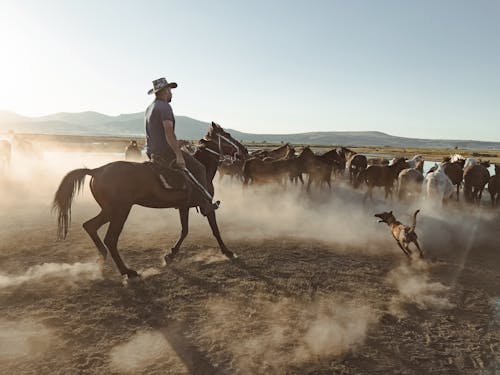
(427, 69)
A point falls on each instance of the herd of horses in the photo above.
(21, 145)
(284, 165)
(119, 185)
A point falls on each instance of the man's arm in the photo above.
(172, 141)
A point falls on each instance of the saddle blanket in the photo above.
(169, 177)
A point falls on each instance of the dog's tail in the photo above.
(414, 225)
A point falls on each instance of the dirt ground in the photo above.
(319, 286)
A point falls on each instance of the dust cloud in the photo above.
(337, 216)
(265, 336)
(208, 256)
(68, 273)
(24, 338)
(144, 349)
(412, 281)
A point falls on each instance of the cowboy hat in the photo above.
(161, 83)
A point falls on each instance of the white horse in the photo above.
(439, 185)
(411, 162)
(456, 158)
(414, 160)
(469, 162)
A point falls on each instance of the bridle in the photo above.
(218, 142)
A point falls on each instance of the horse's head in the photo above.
(306, 152)
(290, 153)
(420, 166)
(398, 161)
(226, 144)
(399, 164)
(485, 163)
(346, 153)
(433, 169)
(457, 158)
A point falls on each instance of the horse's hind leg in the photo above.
(116, 222)
(215, 230)
(309, 182)
(92, 226)
(184, 216)
(368, 194)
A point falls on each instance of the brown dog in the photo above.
(403, 234)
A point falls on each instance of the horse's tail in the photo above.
(414, 224)
(71, 184)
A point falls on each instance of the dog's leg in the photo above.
(419, 248)
(402, 248)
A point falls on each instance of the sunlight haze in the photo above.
(416, 69)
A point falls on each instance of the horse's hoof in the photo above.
(230, 255)
(132, 274)
(168, 259)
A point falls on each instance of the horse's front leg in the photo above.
(388, 191)
(184, 216)
(215, 230)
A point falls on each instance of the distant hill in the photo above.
(132, 125)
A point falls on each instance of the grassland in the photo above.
(117, 144)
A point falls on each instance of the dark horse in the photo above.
(119, 185)
(383, 176)
(494, 186)
(356, 164)
(132, 151)
(283, 152)
(475, 179)
(337, 160)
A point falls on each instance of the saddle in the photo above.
(169, 177)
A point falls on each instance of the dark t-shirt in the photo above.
(156, 143)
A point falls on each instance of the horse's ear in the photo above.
(390, 212)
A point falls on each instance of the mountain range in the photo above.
(132, 126)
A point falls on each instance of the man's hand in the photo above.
(181, 163)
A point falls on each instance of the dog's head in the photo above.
(385, 217)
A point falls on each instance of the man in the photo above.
(162, 144)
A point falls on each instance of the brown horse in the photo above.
(318, 167)
(455, 171)
(5, 153)
(119, 185)
(335, 159)
(232, 168)
(475, 179)
(383, 176)
(259, 171)
(132, 151)
(283, 152)
(256, 170)
(494, 186)
(410, 181)
(356, 164)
